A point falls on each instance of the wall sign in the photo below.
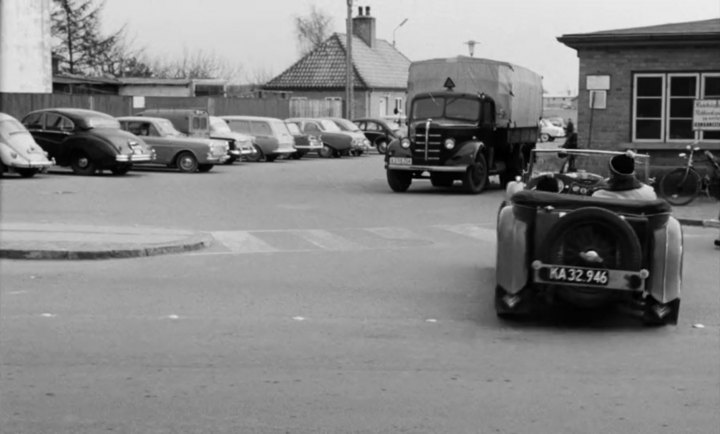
(597, 82)
(598, 99)
(706, 115)
(138, 102)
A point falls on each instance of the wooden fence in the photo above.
(19, 104)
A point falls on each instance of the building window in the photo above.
(399, 105)
(663, 105)
(710, 90)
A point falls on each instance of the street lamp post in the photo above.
(348, 65)
(398, 26)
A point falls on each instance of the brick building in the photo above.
(643, 83)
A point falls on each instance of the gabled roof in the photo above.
(705, 32)
(381, 66)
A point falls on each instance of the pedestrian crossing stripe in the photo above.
(354, 239)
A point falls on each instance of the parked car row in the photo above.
(188, 140)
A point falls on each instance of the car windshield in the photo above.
(544, 161)
(12, 126)
(98, 121)
(218, 125)
(455, 108)
(346, 125)
(166, 128)
(294, 130)
(328, 125)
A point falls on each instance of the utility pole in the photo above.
(348, 65)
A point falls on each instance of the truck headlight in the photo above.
(405, 143)
(449, 143)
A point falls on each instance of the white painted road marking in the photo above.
(345, 240)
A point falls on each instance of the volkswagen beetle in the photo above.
(18, 151)
(558, 244)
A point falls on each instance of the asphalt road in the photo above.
(327, 304)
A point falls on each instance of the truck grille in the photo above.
(428, 144)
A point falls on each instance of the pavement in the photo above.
(56, 241)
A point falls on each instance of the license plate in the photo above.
(402, 161)
(585, 276)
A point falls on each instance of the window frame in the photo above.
(666, 100)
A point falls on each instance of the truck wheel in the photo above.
(399, 180)
(441, 180)
(475, 178)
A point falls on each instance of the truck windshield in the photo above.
(456, 108)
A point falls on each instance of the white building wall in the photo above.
(139, 90)
(25, 44)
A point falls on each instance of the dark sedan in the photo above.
(86, 140)
(379, 132)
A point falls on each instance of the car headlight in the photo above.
(405, 143)
(366, 142)
(449, 143)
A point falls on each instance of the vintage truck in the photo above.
(483, 123)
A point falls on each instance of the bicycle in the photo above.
(682, 185)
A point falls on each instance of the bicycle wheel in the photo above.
(680, 186)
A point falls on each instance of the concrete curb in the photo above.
(110, 251)
(710, 223)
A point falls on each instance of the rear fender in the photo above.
(665, 281)
(511, 265)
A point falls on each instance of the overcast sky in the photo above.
(259, 35)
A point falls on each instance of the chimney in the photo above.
(364, 26)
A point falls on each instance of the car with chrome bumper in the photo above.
(557, 244)
(360, 143)
(241, 145)
(304, 143)
(18, 151)
(272, 138)
(86, 140)
(335, 142)
(173, 148)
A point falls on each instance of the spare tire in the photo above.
(612, 239)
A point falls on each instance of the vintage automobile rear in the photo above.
(560, 244)
(18, 151)
(304, 142)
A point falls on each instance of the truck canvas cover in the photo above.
(517, 91)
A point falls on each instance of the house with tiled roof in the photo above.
(639, 87)
(380, 72)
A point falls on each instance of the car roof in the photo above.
(5, 116)
(140, 118)
(70, 112)
(250, 118)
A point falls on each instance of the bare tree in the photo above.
(312, 30)
(196, 64)
(259, 75)
(77, 43)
